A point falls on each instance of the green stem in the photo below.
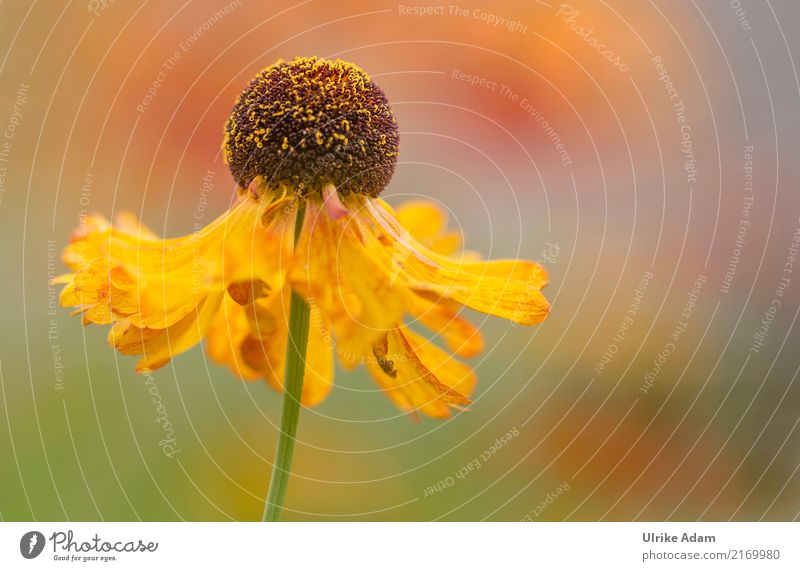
(299, 313)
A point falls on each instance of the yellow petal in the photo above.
(99, 313)
(417, 375)
(156, 283)
(427, 222)
(86, 244)
(68, 297)
(318, 379)
(244, 292)
(225, 336)
(128, 223)
(158, 346)
(267, 356)
(91, 283)
(266, 352)
(352, 288)
(442, 316)
(505, 288)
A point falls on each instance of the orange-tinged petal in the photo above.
(99, 313)
(86, 242)
(442, 316)
(126, 221)
(91, 283)
(63, 279)
(158, 346)
(268, 357)
(156, 283)
(266, 316)
(131, 340)
(422, 218)
(225, 336)
(505, 288)
(244, 292)
(417, 375)
(318, 380)
(163, 303)
(266, 352)
(427, 222)
(454, 379)
(264, 254)
(335, 270)
(360, 266)
(68, 297)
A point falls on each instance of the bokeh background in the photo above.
(662, 386)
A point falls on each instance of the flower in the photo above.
(317, 139)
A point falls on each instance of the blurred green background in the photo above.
(626, 146)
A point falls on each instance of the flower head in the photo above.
(309, 122)
(365, 269)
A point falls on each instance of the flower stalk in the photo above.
(299, 313)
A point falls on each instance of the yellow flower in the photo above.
(314, 138)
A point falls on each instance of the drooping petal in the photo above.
(505, 288)
(154, 283)
(442, 316)
(163, 295)
(264, 348)
(158, 346)
(360, 266)
(336, 270)
(428, 223)
(419, 376)
(128, 223)
(318, 380)
(225, 336)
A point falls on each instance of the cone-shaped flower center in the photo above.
(311, 122)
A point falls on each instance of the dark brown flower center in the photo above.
(310, 122)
